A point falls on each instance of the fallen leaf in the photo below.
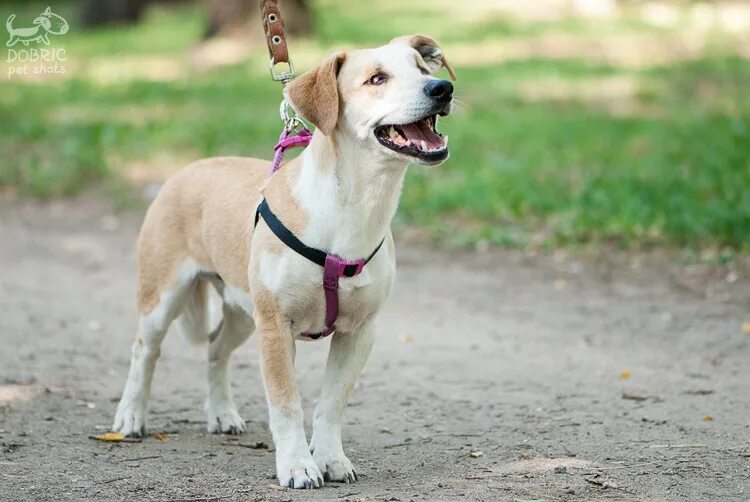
(476, 454)
(624, 374)
(708, 418)
(559, 284)
(111, 436)
(746, 327)
(407, 338)
(161, 437)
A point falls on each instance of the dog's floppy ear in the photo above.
(315, 94)
(430, 51)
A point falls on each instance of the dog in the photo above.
(48, 23)
(375, 112)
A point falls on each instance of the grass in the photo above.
(547, 150)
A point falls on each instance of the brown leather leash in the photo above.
(295, 132)
(273, 26)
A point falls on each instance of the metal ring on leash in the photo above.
(284, 76)
(292, 122)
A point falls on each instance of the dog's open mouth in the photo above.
(418, 139)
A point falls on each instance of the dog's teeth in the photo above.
(424, 145)
(445, 141)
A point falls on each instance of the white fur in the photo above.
(238, 298)
(235, 328)
(130, 417)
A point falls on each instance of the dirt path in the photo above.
(515, 356)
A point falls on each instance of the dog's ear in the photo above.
(47, 11)
(430, 51)
(315, 94)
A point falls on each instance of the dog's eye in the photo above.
(378, 79)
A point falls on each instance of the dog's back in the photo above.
(174, 231)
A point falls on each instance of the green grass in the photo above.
(665, 164)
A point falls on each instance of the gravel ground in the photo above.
(497, 376)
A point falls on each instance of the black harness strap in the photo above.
(287, 237)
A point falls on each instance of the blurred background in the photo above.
(579, 122)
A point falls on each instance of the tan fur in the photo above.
(205, 212)
(276, 348)
(315, 94)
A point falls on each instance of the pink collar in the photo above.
(289, 139)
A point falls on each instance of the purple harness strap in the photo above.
(289, 140)
(334, 267)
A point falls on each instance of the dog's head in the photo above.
(387, 98)
(52, 23)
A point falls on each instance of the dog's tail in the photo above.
(200, 314)
(9, 23)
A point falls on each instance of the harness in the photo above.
(296, 134)
(334, 267)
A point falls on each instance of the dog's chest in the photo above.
(298, 287)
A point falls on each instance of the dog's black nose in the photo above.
(440, 90)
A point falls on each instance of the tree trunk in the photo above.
(100, 12)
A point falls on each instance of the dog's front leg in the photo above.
(295, 466)
(347, 357)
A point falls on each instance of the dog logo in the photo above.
(48, 23)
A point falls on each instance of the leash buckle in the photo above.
(282, 76)
(292, 122)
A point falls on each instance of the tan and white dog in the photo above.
(375, 112)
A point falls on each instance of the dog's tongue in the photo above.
(422, 131)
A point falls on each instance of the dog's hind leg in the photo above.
(234, 329)
(130, 418)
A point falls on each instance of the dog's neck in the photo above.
(349, 193)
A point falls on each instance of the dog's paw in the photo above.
(224, 419)
(335, 467)
(299, 473)
(130, 420)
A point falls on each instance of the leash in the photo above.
(296, 134)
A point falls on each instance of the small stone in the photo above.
(560, 469)
(94, 325)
